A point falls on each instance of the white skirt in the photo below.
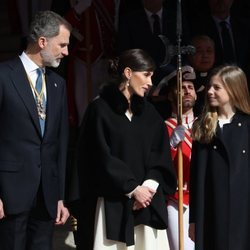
(146, 238)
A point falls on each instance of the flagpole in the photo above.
(179, 120)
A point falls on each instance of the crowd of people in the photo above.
(102, 145)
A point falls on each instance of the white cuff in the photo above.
(151, 184)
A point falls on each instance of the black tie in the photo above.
(156, 25)
(228, 49)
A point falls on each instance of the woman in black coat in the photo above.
(220, 165)
(124, 163)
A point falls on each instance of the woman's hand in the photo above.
(143, 196)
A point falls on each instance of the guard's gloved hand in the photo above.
(177, 136)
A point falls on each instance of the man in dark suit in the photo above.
(138, 29)
(216, 20)
(33, 138)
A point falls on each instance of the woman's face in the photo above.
(140, 82)
(217, 94)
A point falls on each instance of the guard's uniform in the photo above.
(94, 33)
(172, 205)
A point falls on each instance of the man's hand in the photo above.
(62, 214)
(2, 215)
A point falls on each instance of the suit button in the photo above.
(243, 151)
(39, 165)
(239, 124)
(215, 147)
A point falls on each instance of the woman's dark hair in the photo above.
(135, 59)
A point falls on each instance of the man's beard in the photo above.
(188, 104)
(48, 59)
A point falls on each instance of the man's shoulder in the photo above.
(10, 63)
(54, 75)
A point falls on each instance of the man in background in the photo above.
(180, 133)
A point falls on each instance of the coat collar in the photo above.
(236, 120)
(118, 102)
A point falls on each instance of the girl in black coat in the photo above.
(124, 163)
(220, 165)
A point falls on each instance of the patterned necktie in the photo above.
(228, 50)
(42, 105)
(156, 25)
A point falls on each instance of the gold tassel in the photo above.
(73, 223)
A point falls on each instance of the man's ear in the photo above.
(42, 42)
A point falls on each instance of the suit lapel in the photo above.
(51, 87)
(21, 83)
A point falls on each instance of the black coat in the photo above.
(220, 188)
(116, 155)
(26, 158)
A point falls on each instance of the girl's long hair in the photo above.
(235, 83)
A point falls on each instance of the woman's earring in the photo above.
(128, 83)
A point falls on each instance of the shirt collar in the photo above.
(28, 64)
(217, 20)
(186, 119)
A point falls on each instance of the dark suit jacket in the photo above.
(26, 158)
(204, 24)
(135, 32)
